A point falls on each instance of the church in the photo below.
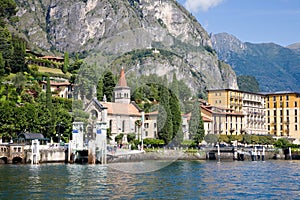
(122, 116)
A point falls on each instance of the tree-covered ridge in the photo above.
(248, 84)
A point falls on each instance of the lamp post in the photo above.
(142, 132)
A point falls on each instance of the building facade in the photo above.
(254, 110)
(283, 113)
(122, 116)
(245, 111)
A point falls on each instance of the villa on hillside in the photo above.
(62, 88)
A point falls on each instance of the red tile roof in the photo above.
(121, 109)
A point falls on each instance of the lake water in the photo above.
(179, 180)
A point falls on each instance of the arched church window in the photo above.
(94, 114)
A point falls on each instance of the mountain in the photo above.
(295, 46)
(276, 68)
(104, 31)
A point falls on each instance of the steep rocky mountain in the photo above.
(275, 67)
(106, 30)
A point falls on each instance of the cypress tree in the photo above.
(66, 63)
(2, 65)
(100, 90)
(196, 125)
(108, 85)
(164, 119)
(48, 95)
(17, 62)
(176, 118)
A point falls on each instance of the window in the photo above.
(268, 127)
(296, 113)
(274, 112)
(296, 119)
(280, 98)
(287, 104)
(123, 126)
(154, 125)
(274, 105)
(268, 113)
(287, 97)
(146, 125)
(296, 127)
(268, 105)
(146, 133)
(296, 104)
(280, 112)
(274, 98)
(280, 119)
(287, 112)
(281, 104)
(220, 101)
(281, 127)
(268, 120)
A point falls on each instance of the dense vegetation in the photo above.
(248, 84)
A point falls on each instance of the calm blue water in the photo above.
(179, 180)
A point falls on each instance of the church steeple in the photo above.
(122, 79)
(122, 91)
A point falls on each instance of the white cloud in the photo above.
(201, 5)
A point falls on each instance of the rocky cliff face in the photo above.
(104, 30)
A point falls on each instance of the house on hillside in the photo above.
(63, 89)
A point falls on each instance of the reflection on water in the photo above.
(179, 180)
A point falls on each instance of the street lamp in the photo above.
(142, 132)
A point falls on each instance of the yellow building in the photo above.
(282, 111)
(226, 98)
(247, 107)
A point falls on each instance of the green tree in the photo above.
(174, 106)
(108, 85)
(6, 47)
(7, 11)
(100, 90)
(86, 82)
(19, 81)
(223, 138)
(48, 95)
(248, 83)
(2, 65)
(282, 143)
(247, 139)
(66, 63)
(17, 63)
(211, 138)
(196, 124)
(164, 119)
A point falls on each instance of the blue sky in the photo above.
(255, 21)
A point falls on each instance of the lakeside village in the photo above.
(233, 122)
